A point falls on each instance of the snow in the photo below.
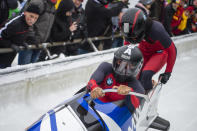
(178, 97)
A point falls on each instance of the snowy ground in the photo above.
(177, 103)
(178, 100)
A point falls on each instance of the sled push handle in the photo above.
(130, 93)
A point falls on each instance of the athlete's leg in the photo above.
(152, 66)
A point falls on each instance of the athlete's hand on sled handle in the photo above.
(164, 77)
(97, 92)
(122, 89)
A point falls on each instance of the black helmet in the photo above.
(133, 25)
(127, 62)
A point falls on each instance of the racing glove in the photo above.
(97, 92)
(123, 89)
(164, 77)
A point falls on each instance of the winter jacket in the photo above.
(15, 32)
(176, 19)
(99, 17)
(5, 5)
(168, 15)
(45, 20)
(60, 29)
(157, 10)
(99, 22)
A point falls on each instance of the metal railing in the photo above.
(53, 44)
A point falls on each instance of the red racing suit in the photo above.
(158, 49)
(104, 78)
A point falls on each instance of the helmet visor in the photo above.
(125, 68)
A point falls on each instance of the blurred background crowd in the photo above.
(34, 22)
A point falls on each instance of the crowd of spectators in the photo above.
(66, 20)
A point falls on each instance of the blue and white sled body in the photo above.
(80, 115)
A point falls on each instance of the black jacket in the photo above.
(157, 10)
(60, 29)
(5, 5)
(14, 32)
(99, 17)
(168, 14)
(99, 21)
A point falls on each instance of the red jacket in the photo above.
(176, 19)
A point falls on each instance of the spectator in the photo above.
(145, 6)
(29, 56)
(169, 12)
(46, 19)
(79, 16)
(117, 42)
(181, 29)
(14, 34)
(99, 21)
(5, 6)
(192, 22)
(176, 19)
(157, 10)
(194, 3)
(63, 26)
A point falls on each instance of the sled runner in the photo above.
(82, 113)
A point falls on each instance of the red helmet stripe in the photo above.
(135, 19)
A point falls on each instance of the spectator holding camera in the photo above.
(14, 34)
(78, 16)
(63, 28)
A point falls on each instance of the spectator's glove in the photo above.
(15, 48)
(164, 77)
(26, 46)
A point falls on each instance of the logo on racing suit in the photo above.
(109, 81)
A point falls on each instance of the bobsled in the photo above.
(82, 113)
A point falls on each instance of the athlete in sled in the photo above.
(127, 109)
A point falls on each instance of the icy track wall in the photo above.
(24, 83)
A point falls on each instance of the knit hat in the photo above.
(64, 6)
(33, 9)
(68, 5)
